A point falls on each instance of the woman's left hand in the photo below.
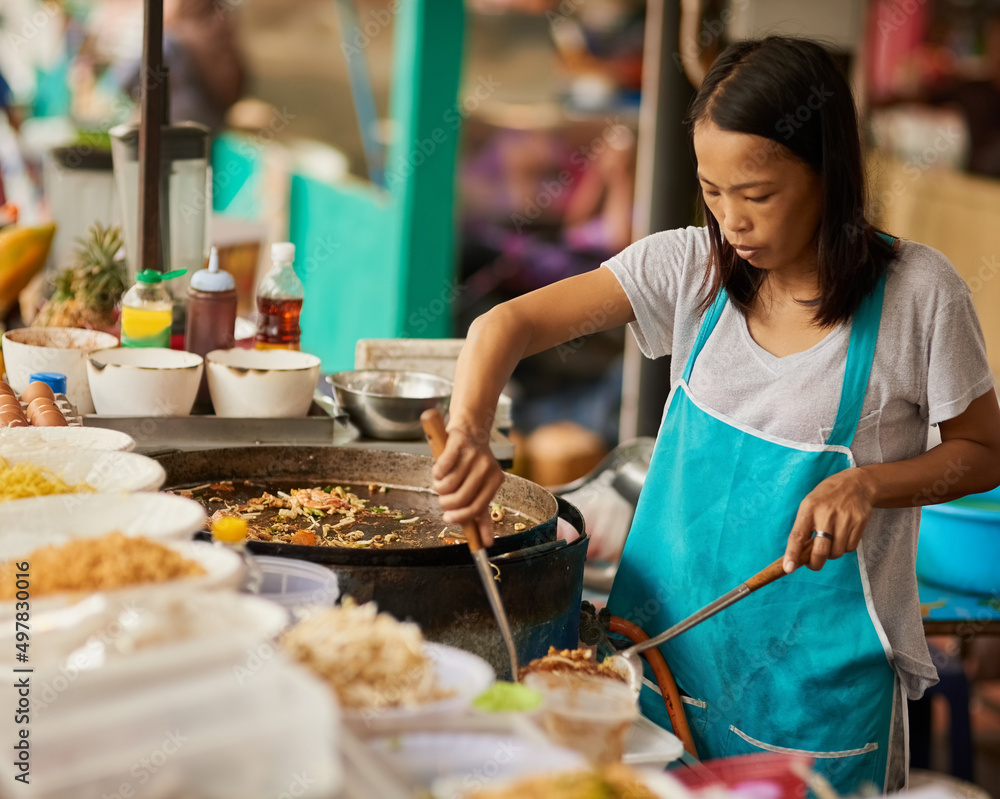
(841, 506)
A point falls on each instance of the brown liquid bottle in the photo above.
(211, 316)
(279, 302)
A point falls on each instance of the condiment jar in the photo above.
(211, 315)
(148, 310)
(279, 302)
(231, 533)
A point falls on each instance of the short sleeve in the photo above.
(654, 274)
(958, 370)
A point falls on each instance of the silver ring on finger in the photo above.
(822, 534)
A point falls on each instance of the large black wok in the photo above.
(437, 586)
(278, 468)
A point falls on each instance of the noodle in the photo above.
(369, 659)
(23, 480)
(98, 564)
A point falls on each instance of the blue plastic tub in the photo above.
(960, 544)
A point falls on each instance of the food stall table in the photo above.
(949, 612)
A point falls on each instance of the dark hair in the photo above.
(790, 92)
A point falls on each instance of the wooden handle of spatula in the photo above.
(437, 437)
(777, 569)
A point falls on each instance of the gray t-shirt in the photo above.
(930, 363)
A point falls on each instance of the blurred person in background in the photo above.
(207, 73)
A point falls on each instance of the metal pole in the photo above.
(152, 106)
(664, 195)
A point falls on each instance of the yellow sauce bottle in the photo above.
(148, 310)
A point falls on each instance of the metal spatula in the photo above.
(627, 661)
(437, 437)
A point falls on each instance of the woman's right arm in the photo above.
(467, 476)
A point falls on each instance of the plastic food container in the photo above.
(296, 584)
(271, 731)
(960, 544)
(592, 715)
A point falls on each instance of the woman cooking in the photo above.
(810, 354)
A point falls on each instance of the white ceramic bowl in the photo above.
(465, 675)
(261, 383)
(54, 349)
(34, 439)
(224, 569)
(426, 759)
(144, 381)
(60, 518)
(107, 472)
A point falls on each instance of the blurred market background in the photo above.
(560, 149)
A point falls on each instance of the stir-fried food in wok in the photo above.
(339, 515)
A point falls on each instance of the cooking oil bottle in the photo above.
(279, 302)
(148, 310)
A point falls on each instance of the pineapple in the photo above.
(87, 293)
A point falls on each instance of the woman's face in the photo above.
(767, 202)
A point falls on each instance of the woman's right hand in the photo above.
(467, 477)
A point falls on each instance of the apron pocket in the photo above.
(861, 762)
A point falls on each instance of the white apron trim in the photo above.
(804, 447)
(687, 700)
(786, 751)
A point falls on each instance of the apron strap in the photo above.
(860, 356)
(707, 326)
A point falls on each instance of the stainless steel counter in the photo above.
(155, 435)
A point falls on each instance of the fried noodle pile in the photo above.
(23, 480)
(370, 660)
(98, 564)
(571, 661)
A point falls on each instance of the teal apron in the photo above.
(803, 665)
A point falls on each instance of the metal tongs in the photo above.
(627, 662)
(437, 437)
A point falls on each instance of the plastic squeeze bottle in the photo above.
(148, 310)
(279, 302)
(211, 315)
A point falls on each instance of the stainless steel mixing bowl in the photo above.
(387, 403)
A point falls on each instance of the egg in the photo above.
(5, 389)
(38, 404)
(36, 390)
(11, 418)
(9, 401)
(49, 418)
